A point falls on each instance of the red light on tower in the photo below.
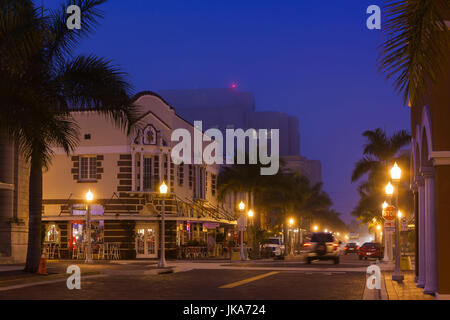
(233, 85)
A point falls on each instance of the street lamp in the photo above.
(316, 228)
(291, 223)
(89, 198)
(241, 206)
(163, 191)
(326, 230)
(396, 174)
(389, 189)
(384, 205)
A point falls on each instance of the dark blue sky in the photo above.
(312, 59)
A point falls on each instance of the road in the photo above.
(277, 280)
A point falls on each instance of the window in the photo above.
(88, 168)
(181, 174)
(191, 176)
(147, 173)
(52, 233)
(213, 184)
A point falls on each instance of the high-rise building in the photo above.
(230, 109)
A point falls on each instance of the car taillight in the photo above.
(307, 244)
(335, 246)
(345, 248)
(357, 248)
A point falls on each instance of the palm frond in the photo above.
(63, 40)
(416, 44)
(92, 83)
(363, 166)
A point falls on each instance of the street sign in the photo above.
(242, 223)
(389, 225)
(389, 213)
(404, 225)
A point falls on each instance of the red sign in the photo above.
(389, 213)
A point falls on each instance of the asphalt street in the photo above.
(277, 280)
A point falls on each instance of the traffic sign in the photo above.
(389, 213)
(389, 225)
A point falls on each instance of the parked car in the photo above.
(351, 247)
(370, 250)
(274, 244)
(323, 246)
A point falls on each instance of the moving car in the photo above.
(323, 246)
(370, 250)
(274, 244)
(351, 247)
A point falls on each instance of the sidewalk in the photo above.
(406, 290)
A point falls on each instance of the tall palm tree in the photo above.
(380, 152)
(417, 41)
(39, 92)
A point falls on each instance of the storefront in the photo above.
(115, 238)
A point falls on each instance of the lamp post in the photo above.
(315, 228)
(162, 261)
(250, 214)
(396, 173)
(291, 223)
(89, 198)
(241, 207)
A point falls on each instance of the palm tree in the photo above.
(416, 44)
(380, 152)
(39, 92)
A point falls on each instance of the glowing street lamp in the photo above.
(389, 189)
(89, 197)
(291, 222)
(326, 230)
(316, 228)
(241, 206)
(396, 172)
(250, 213)
(384, 205)
(399, 214)
(163, 189)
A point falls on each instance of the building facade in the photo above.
(14, 173)
(124, 174)
(430, 181)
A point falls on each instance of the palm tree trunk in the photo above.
(35, 215)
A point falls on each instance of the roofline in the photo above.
(151, 93)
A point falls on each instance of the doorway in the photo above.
(146, 240)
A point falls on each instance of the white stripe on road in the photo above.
(31, 284)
